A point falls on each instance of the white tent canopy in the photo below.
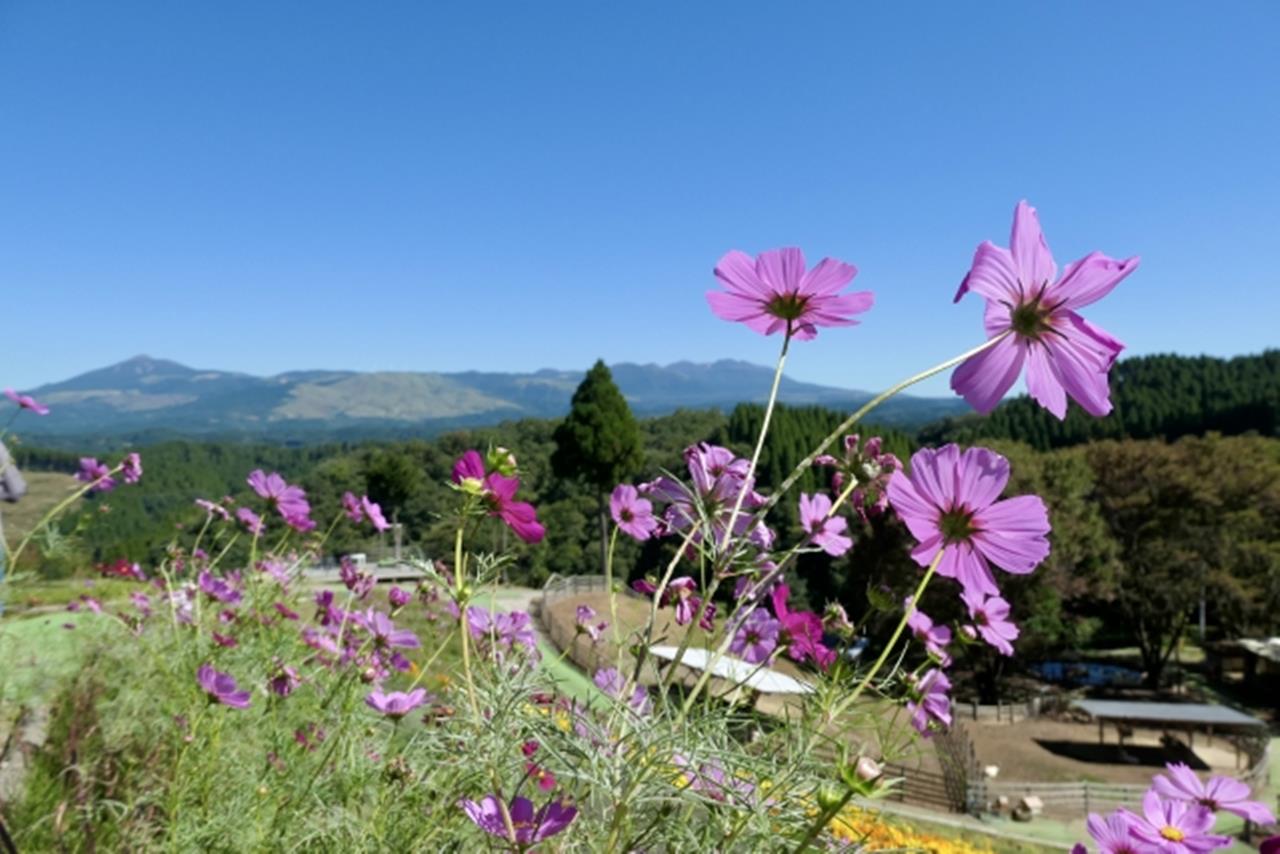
(753, 676)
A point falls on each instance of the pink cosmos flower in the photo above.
(131, 468)
(929, 706)
(991, 615)
(26, 401)
(583, 623)
(529, 826)
(1220, 793)
(775, 293)
(718, 477)
(217, 588)
(373, 513)
(505, 629)
(96, 473)
(398, 598)
(1064, 354)
(612, 682)
(1175, 827)
(222, 688)
(384, 632)
(826, 533)
(396, 704)
(756, 640)
(290, 501)
(1113, 834)
(252, 521)
(632, 514)
(213, 509)
(935, 638)
(351, 506)
(949, 502)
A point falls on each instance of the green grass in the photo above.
(39, 653)
(44, 491)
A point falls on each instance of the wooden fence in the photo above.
(1077, 799)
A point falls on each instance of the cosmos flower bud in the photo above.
(502, 461)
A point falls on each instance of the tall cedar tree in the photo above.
(598, 442)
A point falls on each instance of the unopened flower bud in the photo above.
(502, 461)
(867, 769)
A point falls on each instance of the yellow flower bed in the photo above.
(874, 833)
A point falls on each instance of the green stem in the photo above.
(608, 585)
(822, 821)
(897, 633)
(462, 621)
(56, 511)
(844, 427)
(764, 431)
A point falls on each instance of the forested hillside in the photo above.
(1157, 509)
(1154, 397)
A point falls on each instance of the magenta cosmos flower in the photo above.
(775, 293)
(949, 502)
(1064, 354)
(131, 468)
(222, 688)
(990, 615)
(396, 704)
(499, 492)
(1175, 827)
(527, 825)
(1219, 793)
(632, 514)
(801, 631)
(290, 501)
(827, 533)
(97, 474)
(26, 401)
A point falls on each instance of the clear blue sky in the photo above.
(264, 186)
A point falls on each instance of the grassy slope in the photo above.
(44, 490)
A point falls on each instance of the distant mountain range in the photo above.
(146, 399)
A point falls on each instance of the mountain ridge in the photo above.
(144, 394)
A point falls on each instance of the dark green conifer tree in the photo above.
(598, 442)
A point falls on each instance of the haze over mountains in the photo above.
(145, 398)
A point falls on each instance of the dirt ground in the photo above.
(1046, 750)
(1041, 750)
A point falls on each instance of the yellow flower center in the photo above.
(1172, 834)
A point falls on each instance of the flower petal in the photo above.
(1031, 255)
(992, 275)
(1090, 279)
(827, 277)
(984, 379)
(738, 271)
(781, 270)
(1043, 381)
(980, 478)
(1013, 533)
